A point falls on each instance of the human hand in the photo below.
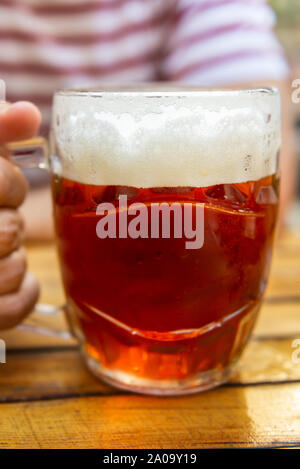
(19, 289)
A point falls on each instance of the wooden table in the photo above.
(49, 400)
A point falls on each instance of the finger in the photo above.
(12, 270)
(15, 306)
(13, 185)
(18, 121)
(11, 230)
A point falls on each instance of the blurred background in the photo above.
(50, 45)
(288, 31)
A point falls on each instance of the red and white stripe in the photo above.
(51, 44)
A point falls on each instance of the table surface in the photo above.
(49, 400)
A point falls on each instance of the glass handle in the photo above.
(31, 153)
(34, 153)
(36, 323)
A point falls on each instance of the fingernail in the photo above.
(4, 107)
(7, 107)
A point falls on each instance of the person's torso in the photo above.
(52, 44)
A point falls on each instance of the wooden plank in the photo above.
(226, 417)
(43, 262)
(285, 278)
(280, 319)
(61, 373)
(22, 339)
(47, 374)
(285, 272)
(267, 361)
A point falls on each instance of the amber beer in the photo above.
(169, 313)
(151, 315)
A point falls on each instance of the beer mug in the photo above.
(165, 203)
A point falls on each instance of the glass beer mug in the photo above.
(165, 203)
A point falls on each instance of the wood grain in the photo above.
(49, 399)
(55, 373)
(285, 273)
(225, 417)
(47, 374)
(280, 320)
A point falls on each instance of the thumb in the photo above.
(18, 121)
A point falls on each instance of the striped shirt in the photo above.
(50, 44)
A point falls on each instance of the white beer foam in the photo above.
(155, 139)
